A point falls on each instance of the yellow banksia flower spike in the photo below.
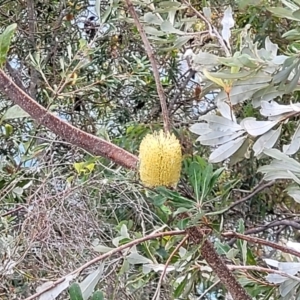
(160, 160)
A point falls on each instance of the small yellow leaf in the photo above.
(78, 167)
(8, 130)
(218, 81)
(235, 70)
(84, 167)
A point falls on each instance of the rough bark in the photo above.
(198, 236)
(71, 134)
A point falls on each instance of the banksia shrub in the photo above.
(160, 160)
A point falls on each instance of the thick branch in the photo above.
(198, 236)
(71, 134)
(153, 62)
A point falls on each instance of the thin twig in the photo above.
(156, 295)
(208, 290)
(181, 88)
(31, 28)
(212, 30)
(149, 51)
(261, 269)
(256, 240)
(103, 256)
(290, 223)
(255, 230)
(256, 191)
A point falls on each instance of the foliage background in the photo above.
(59, 205)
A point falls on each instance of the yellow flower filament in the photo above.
(160, 160)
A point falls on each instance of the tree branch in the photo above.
(153, 62)
(261, 269)
(256, 191)
(237, 292)
(31, 29)
(255, 230)
(290, 223)
(256, 240)
(71, 134)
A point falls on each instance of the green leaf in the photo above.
(98, 295)
(102, 248)
(183, 224)
(159, 199)
(107, 13)
(152, 18)
(297, 2)
(97, 9)
(164, 4)
(219, 123)
(291, 86)
(226, 150)
(283, 13)
(135, 259)
(247, 61)
(167, 27)
(87, 286)
(238, 75)
(241, 226)
(175, 199)
(153, 31)
(180, 41)
(283, 75)
(267, 93)
(243, 90)
(5, 39)
(179, 290)
(294, 192)
(290, 163)
(287, 287)
(14, 112)
(124, 231)
(222, 248)
(266, 141)
(75, 292)
(250, 257)
(205, 58)
(256, 128)
(124, 268)
(272, 108)
(296, 14)
(292, 34)
(218, 137)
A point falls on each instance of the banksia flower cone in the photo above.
(160, 160)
